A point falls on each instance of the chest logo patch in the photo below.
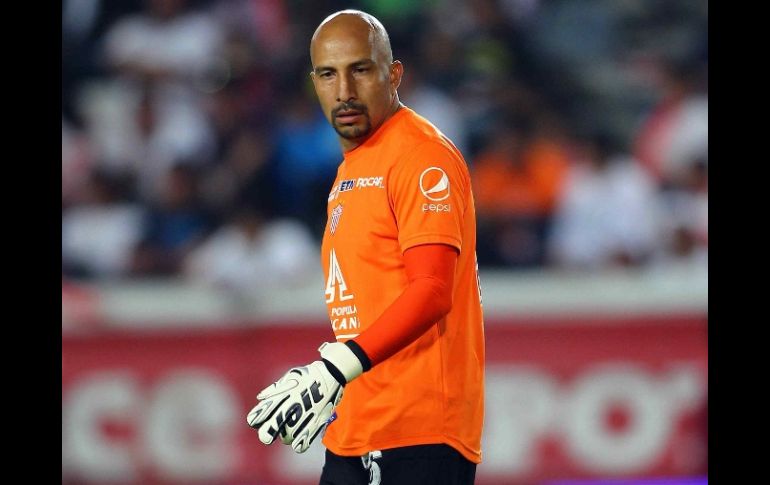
(346, 185)
(335, 218)
(434, 184)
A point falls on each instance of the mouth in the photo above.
(348, 117)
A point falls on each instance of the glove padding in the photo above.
(297, 406)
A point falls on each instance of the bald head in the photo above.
(354, 74)
(358, 24)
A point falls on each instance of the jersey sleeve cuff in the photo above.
(420, 239)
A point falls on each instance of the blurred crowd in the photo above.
(193, 145)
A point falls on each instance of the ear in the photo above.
(396, 71)
(314, 81)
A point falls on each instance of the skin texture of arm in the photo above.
(427, 299)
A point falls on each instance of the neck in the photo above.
(348, 144)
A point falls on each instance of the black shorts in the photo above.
(409, 465)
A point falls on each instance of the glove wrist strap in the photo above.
(341, 361)
(359, 352)
(334, 372)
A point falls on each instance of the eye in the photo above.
(361, 69)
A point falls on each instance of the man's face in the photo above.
(355, 84)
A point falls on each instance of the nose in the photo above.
(346, 88)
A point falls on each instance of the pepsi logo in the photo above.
(434, 184)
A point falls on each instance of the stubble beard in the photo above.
(354, 132)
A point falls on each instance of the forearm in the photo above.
(423, 303)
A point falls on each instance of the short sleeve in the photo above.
(428, 194)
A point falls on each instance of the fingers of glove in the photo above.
(282, 421)
(302, 443)
(289, 381)
(268, 432)
(315, 425)
(297, 407)
(305, 436)
(265, 410)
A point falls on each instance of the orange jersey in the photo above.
(405, 186)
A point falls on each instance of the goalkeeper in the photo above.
(400, 393)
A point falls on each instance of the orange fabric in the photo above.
(428, 297)
(406, 186)
(530, 190)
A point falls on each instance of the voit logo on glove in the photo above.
(434, 185)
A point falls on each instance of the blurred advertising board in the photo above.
(577, 398)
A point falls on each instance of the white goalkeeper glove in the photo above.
(298, 405)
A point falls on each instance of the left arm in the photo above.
(427, 299)
(298, 406)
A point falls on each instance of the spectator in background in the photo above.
(242, 174)
(684, 219)
(148, 84)
(167, 44)
(76, 163)
(517, 181)
(434, 104)
(148, 115)
(675, 132)
(307, 155)
(242, 162)
(438, 51)
(265, 23)
(606, 216)
(100, 229)
(249, 74)
(251, 252)
(175, 224)
(83, 26)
